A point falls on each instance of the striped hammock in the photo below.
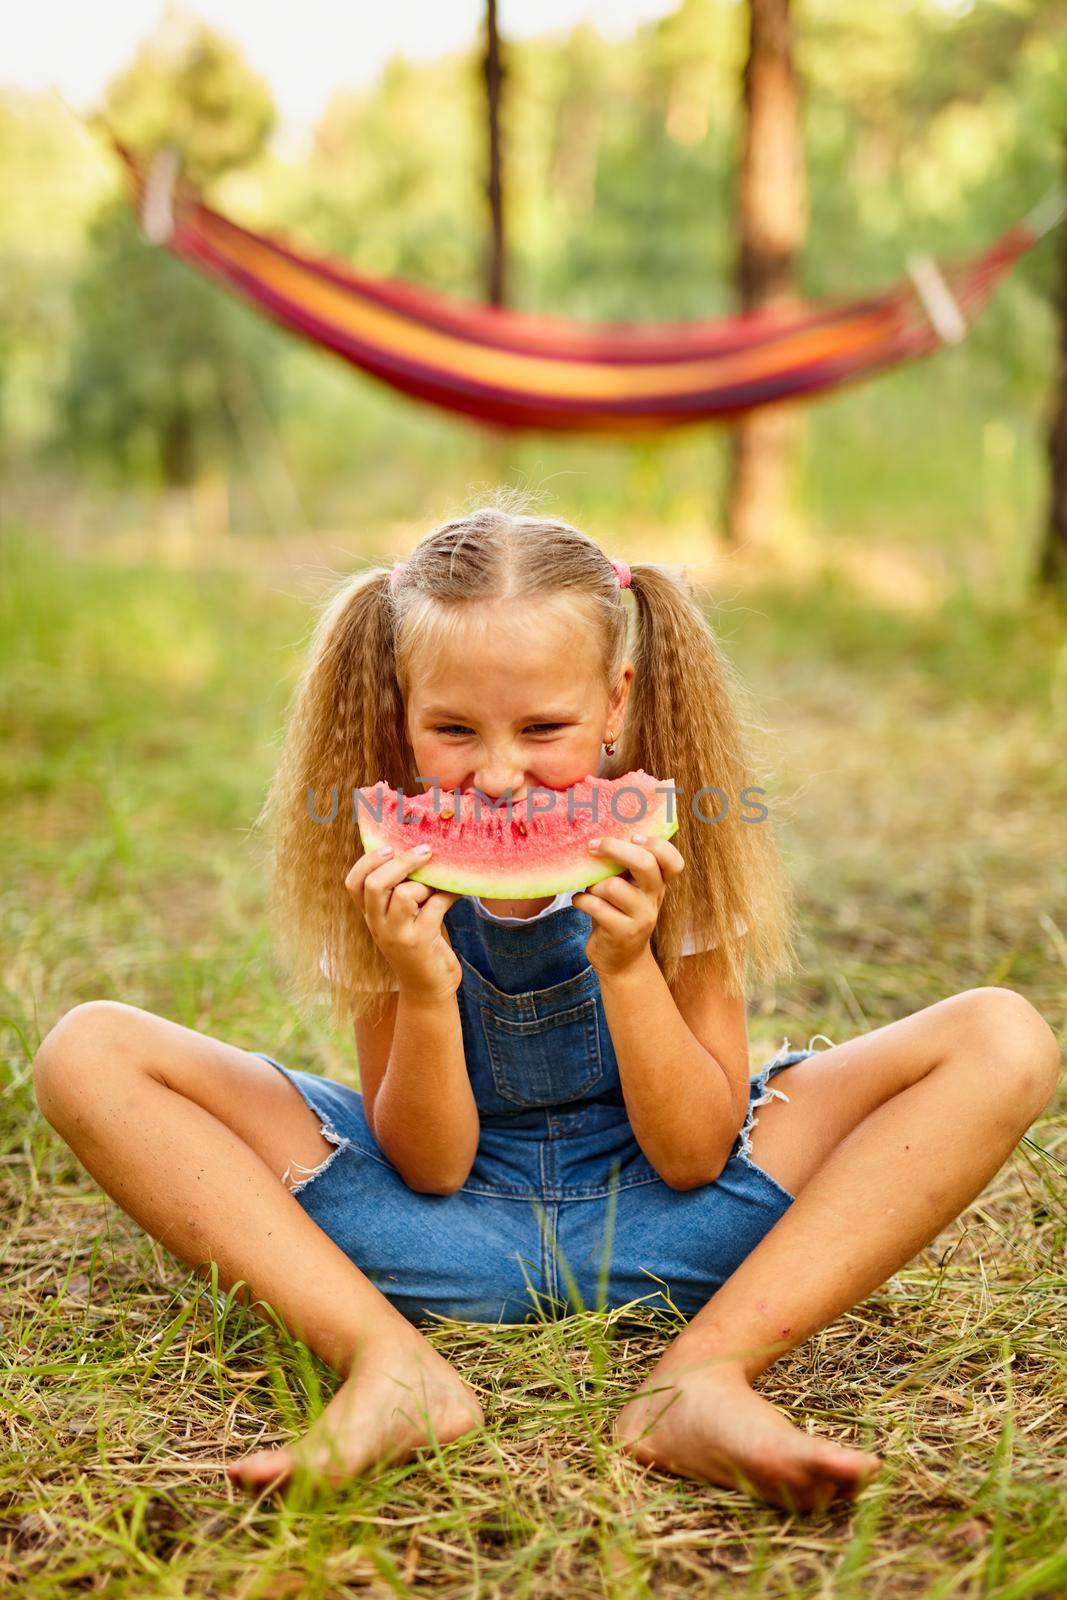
(518, 370)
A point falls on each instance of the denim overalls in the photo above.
(561, 1210)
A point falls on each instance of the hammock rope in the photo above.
(519, 370)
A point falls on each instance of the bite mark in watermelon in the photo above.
(543, 850)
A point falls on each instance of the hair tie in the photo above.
(395, 573)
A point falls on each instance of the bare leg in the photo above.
(885, 1139)
(150, 1109)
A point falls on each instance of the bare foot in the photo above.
(708, 1423)
(383, 1411)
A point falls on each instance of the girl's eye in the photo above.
(536, 727)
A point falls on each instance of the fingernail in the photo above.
(422, 850)
(594, 844)
(385, 850)
(640, 838)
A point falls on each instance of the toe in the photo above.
(860, 1468)
(841, 1461)
(823, 1494)
(628, 1430)
(840, 1474)
(263, 1466)
(625, 1425)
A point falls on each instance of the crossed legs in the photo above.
(884, 1140)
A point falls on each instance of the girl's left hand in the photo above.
(625, 908)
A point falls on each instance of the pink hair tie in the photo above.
(395, 573)
(622, 572)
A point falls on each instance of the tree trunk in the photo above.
(177, 448)
(773, 221)
(494, 77)
(1053, 566)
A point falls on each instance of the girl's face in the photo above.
(513, 703)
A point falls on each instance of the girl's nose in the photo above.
(494, 781)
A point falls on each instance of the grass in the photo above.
(917, 757)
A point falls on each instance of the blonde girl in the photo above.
(556, 1108)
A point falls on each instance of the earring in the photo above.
(609, 748)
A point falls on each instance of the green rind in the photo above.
(504, 887)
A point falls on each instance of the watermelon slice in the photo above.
(544, 848)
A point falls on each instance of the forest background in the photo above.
(134, 396)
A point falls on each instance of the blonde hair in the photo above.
(345, 729)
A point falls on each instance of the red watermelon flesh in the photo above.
(543, 850)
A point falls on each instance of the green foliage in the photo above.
(161, 365)
(188, 87)
(394, 179)
(50, 186)
(927, 126)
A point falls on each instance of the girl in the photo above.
(556, 1106)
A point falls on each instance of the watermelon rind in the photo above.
(579, 870)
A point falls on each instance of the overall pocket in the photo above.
(546, 1060)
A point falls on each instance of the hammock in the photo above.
(520, 370)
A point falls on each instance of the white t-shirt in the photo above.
(564, 898)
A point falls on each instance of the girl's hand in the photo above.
(625, 908)
(405, 921)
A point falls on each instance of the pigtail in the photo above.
(344, 729)
(684, 720)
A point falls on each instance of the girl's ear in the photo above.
(622, 691)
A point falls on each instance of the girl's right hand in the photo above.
(405, 921)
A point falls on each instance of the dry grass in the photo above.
(918, 756)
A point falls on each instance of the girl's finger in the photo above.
(405, 900)
(419, 900)
(434, 910)
(621, 892)
(416, 892)
(605, 915)
(665, 853)
(670, 858)
(642, 862)
(367, 863)
(386, 871)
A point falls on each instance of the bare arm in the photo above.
(686, 1104)
(416, 1092)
